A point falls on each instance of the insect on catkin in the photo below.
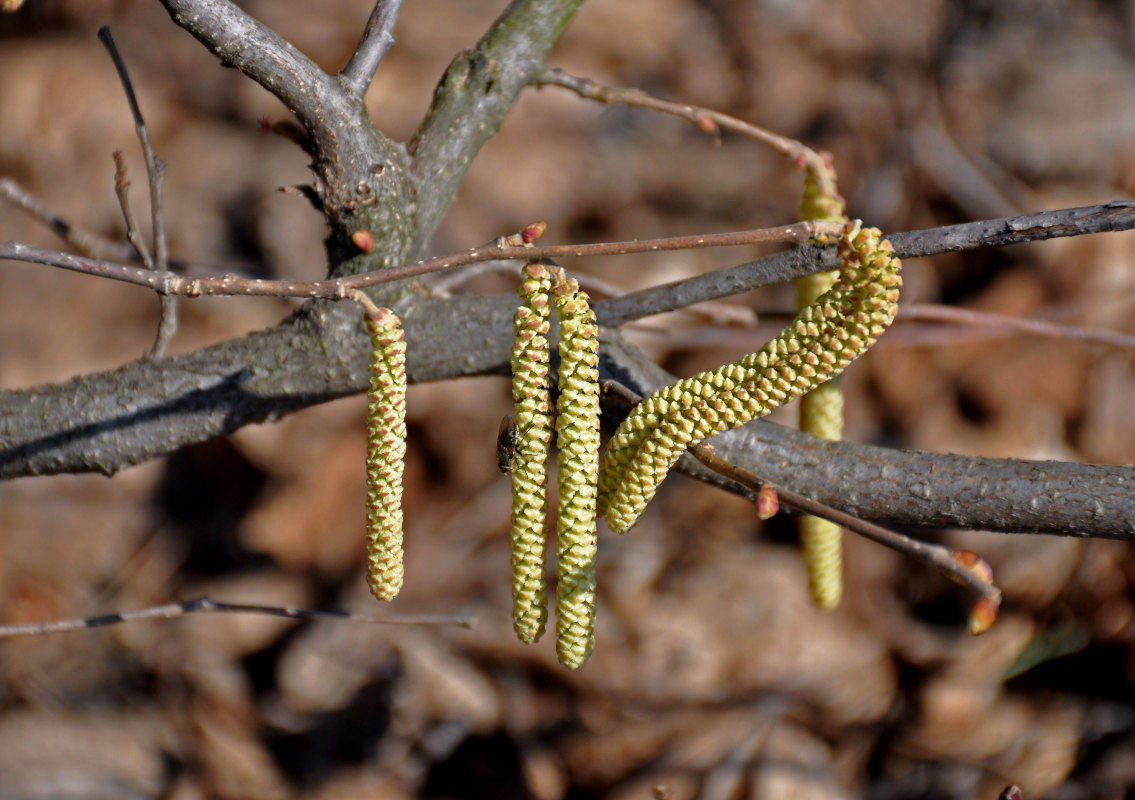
(823, 339)
(577, 436)
(386, 450)
(821, 410)
(530, 446)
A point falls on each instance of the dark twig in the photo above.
(155, 169)
(377, 39)
(205, 605)
(932, 555)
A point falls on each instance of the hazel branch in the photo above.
(377, 39)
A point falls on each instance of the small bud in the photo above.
(974, 563)
(533, 232)
(363, 239)
(706, 123)
(1011, 792)
(264, 124)
(768, 504)
(984, 614)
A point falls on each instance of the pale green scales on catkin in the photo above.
(386, 450)
(530, 356)
(822, 340)
(577, 437)
(821, 410)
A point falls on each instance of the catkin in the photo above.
(529, 472)
(386, 450)
(577, 436)
(821, 410)
(823, 339)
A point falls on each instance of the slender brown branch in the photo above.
(1115, 216)
(1110, 217)
(122, 192)
(377, 40)
(337, 288)
(155, 170)
(936, 312)
(204, 605)
(706, 119)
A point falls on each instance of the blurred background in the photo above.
(713, 676)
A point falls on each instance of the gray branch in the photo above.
(378, 38)
(478, 88)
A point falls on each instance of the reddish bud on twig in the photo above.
(984, 614)
(1011, 792)
(533, 231)
(974, 563)
(706, 123)
(768, 504)
(264, 124)
(363, 239)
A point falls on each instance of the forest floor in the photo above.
(713, 675)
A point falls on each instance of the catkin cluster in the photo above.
(386, 451)
(577, 436)
(819, 343)
(821, 410)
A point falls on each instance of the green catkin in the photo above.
(821, 410)
(530, 355)
(577, 436)
(823, 339)
(386, 450)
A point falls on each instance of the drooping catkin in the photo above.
(530, 356)
(386, 451)
(823, 339)
(821, 410)
(577, 436)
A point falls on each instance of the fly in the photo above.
(507, 439)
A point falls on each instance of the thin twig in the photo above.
(122, 191)
(377, 39)
(932, 555)
(1118, 215)
(706, 119)
(205, 605)
(967, 316)
(155, 170)
(1109, 217)
(84, 241)
(339, 288)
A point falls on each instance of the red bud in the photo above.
(768, 504)
(363, 239)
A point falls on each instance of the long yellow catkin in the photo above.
(577, 435)
(386, 450)
(821, 410)
(823, 339)
(530, 354)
